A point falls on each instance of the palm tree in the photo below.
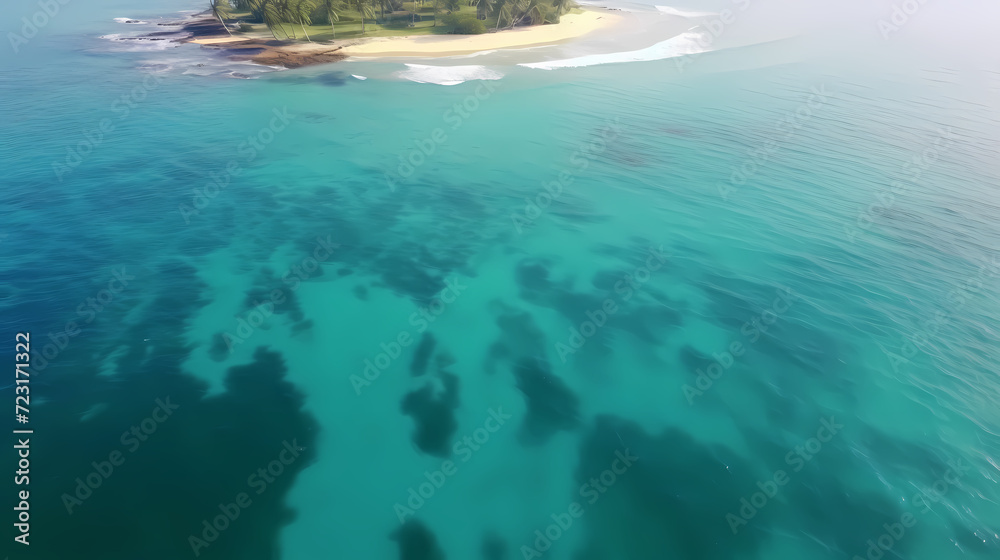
(331, 7)
(483, 7)
(366, 9)
(220, 11)
(531, 11)
(285, 14)
(270, 13)
(503, 10)
(381, 7)
(562, 6)
(300, 10)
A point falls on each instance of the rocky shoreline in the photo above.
(203, 28)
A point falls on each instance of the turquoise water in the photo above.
(753, 288)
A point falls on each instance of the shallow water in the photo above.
(385, 270)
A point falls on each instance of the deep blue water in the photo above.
(768, 271)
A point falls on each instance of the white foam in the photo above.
(359, 77)
(681, 45)
(131, 43)
(473, 55)
(220, 67)
(130, 20)
(680, 13)
(603, 5)
(152, 67)
(447, 75)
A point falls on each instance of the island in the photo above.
(294, 33)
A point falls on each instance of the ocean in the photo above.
(721, 287)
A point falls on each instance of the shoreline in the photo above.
(208, 33)
(296, 54)
(570, 26)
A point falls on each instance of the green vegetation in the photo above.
(220, 11)
(323, 20)
(465, 24)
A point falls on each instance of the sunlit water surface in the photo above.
(736, 304)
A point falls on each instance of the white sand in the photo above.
(220, 40)
(569, 27)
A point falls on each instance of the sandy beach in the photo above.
(570, 26)
(293, 54)
(296, 54)
(218, 40)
